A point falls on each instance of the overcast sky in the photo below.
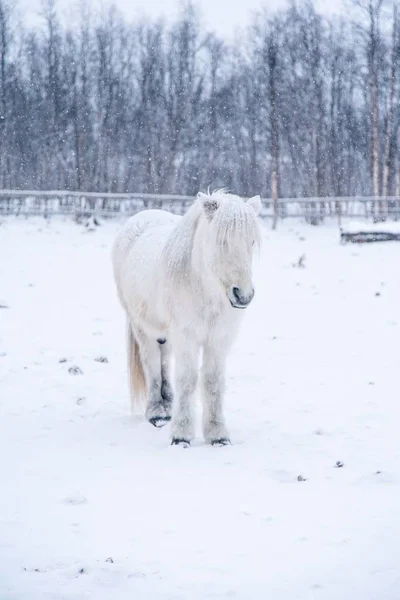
(222, 16)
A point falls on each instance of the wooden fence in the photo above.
(81, 205)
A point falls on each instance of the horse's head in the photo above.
(230, 233)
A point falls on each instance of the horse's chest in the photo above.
(200, 315)
(204, 322)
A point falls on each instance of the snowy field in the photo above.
(97, 505)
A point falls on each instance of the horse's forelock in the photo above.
(235, 221)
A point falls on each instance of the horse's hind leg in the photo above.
(158, 410)
(166, 387)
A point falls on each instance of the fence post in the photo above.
(339, 212)
(274, 194)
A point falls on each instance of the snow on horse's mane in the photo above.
(232, 219)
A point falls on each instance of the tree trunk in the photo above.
(374, 134)
(373, 55)
(3, 107)
(274, 194)
(274, 112)
(388, 164)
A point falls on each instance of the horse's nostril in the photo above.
(236, 293)
(241, 299)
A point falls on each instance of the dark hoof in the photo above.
(159, 421)
(221, 442)
(180, 442)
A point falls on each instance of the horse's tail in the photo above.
(137, 379)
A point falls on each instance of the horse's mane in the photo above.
(232, 219)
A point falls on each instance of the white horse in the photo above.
(182, 282)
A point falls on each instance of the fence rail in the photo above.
(81, 205)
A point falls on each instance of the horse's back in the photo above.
(137, 255)
(136, 226)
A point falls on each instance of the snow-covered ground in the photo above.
(96, 505)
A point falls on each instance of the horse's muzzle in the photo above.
(240, 300)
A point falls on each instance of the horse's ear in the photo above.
(255, 203)
(210, 205)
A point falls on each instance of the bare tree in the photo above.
(371, 10)
(273, 89)
(5, 42)
(390, 125)
(169, 107)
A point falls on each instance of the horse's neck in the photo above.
(186, 253)
(178, 250)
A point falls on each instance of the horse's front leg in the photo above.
(213, 387)
(186, 375)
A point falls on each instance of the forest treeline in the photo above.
(107, 105)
